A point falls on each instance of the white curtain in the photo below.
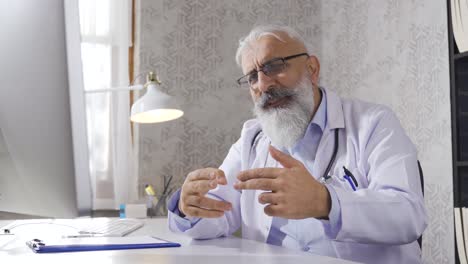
(106, 38)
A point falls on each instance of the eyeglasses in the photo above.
(270, 69)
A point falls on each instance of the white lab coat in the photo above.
(380, 222)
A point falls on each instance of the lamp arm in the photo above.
(116, 89)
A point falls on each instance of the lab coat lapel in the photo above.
(267, 220)
(335, 120)
(263, 160)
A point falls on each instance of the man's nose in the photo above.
(264, 82)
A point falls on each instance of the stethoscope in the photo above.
(326, 174)
(349, 177)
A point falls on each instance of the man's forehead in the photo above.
(267, 48)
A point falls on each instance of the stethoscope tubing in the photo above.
(333, 157)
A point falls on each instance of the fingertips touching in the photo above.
(212, 175)
(221, 180)
(213, 184)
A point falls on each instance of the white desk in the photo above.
(216, 251)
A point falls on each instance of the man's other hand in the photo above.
(291, 192)
(192, 196)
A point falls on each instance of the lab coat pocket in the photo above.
(342, 183)
(360, 178)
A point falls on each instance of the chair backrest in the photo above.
(421, 177)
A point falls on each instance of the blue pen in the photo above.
(350, 178)
(350, 182)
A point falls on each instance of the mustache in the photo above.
(274, 93)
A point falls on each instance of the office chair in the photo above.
(421, 177)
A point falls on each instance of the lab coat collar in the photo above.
(320, 116)
(335, 117)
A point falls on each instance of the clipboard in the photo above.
(97, 243)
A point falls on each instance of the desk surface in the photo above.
(222, 250)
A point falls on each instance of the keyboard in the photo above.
(111, 227)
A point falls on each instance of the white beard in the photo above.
(286, 125)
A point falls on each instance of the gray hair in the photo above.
(266, 30)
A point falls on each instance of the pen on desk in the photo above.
(82, 235)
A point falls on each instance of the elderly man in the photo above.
(315, 172)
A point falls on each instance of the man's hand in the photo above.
(292, 191)
(192, 196)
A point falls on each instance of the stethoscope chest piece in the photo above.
(325, 179)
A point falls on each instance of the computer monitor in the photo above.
(43, 147)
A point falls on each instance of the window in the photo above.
(105, 40)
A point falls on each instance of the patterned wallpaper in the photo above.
(391, 52)
(396, 53)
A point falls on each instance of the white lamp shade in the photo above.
(155, 106)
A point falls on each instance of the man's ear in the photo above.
(313, 67)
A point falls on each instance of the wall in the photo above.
(389, 52)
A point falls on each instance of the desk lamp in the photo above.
(153, 107)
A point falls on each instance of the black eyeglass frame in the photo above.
(240, 82)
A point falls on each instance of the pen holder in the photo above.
(150, 205)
